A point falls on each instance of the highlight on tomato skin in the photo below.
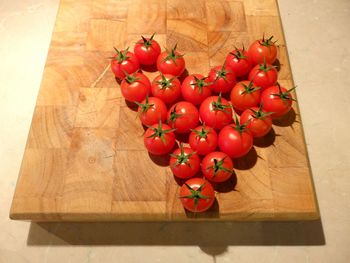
(197, 195)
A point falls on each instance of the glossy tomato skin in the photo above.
(203, 143)
(263, 79)
(241, 100)
(188, 169)
(188, 116)
(191, 92)
(258, 52)
(234, 143)
(222, 78)
(203, 203)
(147, 54)
(214, 117)
(240, 66)
(273, 103)
(129, 65)
(155, 112)
(169, 94)
(222, 174)
(169, 66)
(136, 90)
(258, 127)
(155, 145)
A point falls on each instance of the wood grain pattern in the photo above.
(85, 159)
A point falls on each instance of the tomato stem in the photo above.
(203, 133)
(196, 195)
(218, 106)
(249, 88)
(218, 166)
(121, 56)
(159, 132)
(182, 157)
(172, 55)
(165, 83)
(200, 83)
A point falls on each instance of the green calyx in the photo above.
(267, 42)
(218, 106)
(130, 78)
(249, 88)
(285, 95)
(144, 107)
(196, 195)
(259, 114)
(263, 67)
(159, 132)
(221, 74)
(121, 56)
(165, 83)
(182, 158)
(174, 115)
(146, 42)
(200, 83)
(239, 54)
(219, 166)
(203, 133)
(172, 55)
(240, 127)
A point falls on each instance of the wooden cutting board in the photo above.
(85, 159)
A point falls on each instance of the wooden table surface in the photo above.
(85, 159)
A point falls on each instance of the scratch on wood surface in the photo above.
(93, 85)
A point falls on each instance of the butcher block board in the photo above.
(85, 160)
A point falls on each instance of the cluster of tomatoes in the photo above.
(246, 84)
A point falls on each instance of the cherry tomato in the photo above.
(135, 87)
(235, 140)
(245, 95)
(124, 61)
(278, 100)
(259, 122)
(216, 112)
(195, 88)
(203, 139)
(159, 139)
(184, 162)
(263, 49)
(263, 75)
(238, 60)
(217, 167)
(167, 88)
(183, 116)
(197, 195)
(222, 78)
(147, 50)
(171, 62)
(151, 111)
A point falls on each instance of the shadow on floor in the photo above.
(211, 237)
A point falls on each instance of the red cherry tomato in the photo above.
(222, 78)
(245, 95)
(217, 167)
(167, 88)
(259, 122)
(135, 87)
(197, 195)
(184, 162)
(147, 50)
(203, 139)
(216, 112)
(171, 62)
(263, 75)
(195, 88)
(151, 111)
(238, 60)
(183, 116)
(278, 100)
(124, 61)
(235, 140)
(159, 139)
(263, 49)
